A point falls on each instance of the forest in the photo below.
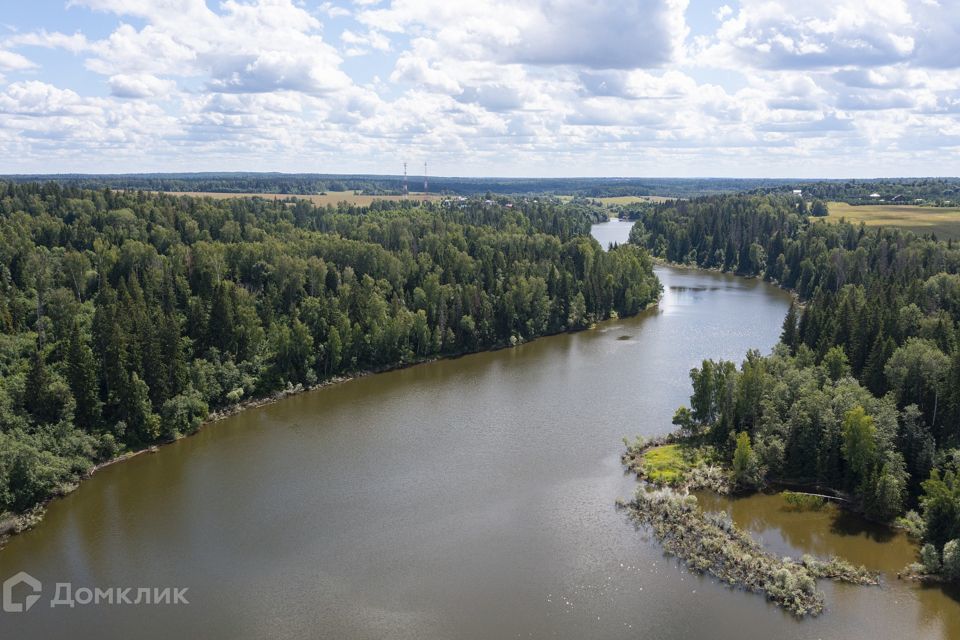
(313, 183)
(927, 191)
(127, 317)
(862, 395)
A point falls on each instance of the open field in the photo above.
(633, 199)
(622, 200)
(331, 197)
(334, 197)
(943, 221)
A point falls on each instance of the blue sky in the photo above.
(774, 88)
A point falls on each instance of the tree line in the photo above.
(931, 191)
(312, 183)
(862, 395)
(127, 317)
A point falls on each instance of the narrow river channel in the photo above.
(467, 498)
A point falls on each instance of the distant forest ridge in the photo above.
(313, 183)
(861, 191)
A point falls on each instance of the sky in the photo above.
(748, 88)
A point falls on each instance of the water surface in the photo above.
(468, 498)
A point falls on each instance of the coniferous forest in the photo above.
(128, 317)
(862, 396)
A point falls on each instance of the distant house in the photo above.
(798, 192)
(874, 195)
(897, 198)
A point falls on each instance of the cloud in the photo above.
(777, 34)
(722, 13)
(35, 98)
(540, 86)
(608, 34)
(248, 47)
(76, 43)
(10, 61)
(361, 44)
(140, 85)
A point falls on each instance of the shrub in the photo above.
(951, 560)
(803, 501)
(930, 558)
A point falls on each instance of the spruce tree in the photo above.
(82, 378)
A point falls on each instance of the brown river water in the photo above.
(467, 498)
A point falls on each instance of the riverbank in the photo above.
(670, 468)
(711, 543)
(15, 523)
(672, 461)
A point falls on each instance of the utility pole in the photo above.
(405, 190)
(426, 186)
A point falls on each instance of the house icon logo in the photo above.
(12, 605)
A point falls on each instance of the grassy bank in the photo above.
(943, 221)
(678, 464)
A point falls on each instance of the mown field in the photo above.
(943, 221)
(332, 197)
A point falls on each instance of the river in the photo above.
(466, 498)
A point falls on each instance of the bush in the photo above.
(183, 414)
(951, 560)
(912, 523)
(803, 501)
(930, 558)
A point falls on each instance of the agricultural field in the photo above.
(624, 200)
(943, 221)
(621, 200)
(331, 197)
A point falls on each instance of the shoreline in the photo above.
(709, 542)
(16, 523)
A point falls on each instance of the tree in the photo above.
(183, 414)
(76, 266)
(859, 443)
(917, 372)
(819, 209)
(916, 444)
(788, 335)
(930, 558)
(683, 419)
(82, 378)
(951, 560)
(136, 410)
(577, 318)
(836, 364)
(745, 469)
(887, 491)
(36, 397)
(940, 508)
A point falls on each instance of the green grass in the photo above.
(943, 221)
(670, 463)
